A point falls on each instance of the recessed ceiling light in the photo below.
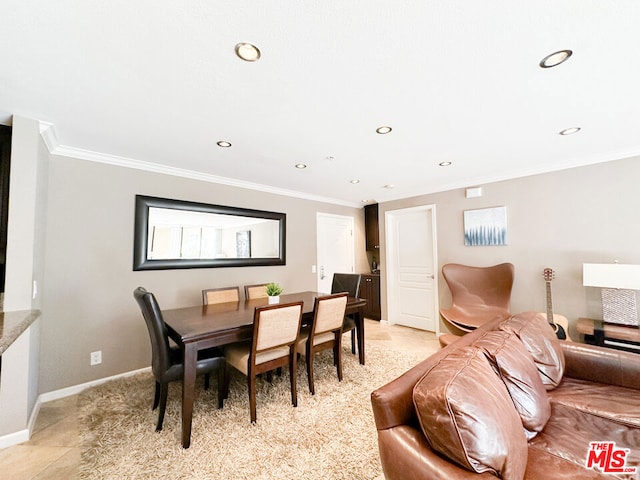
(355, 180)
(383, 130)
(570, 131)
(301, 166)
(444, 164)
(329, 157)
(389, 185)
(247, 52)
(555, 58)
(223, 144)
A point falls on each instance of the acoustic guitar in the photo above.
(559, 323)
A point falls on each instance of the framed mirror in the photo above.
(179, 234)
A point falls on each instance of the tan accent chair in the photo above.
(275, 332)
(478, 294)
(325, 332)
(211, 296)
(255, 291)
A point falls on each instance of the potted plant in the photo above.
(273, 292)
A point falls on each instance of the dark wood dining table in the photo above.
(201, 327)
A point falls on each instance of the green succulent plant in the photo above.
(273, 289)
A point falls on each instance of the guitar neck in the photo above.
(549, 305)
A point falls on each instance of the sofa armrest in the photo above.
(601, 365)
(406, 454)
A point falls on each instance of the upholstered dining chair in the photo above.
(275, 331)
(166, 362)
(325, 332)
(478, 294)
(255, 291)
(350, 283)
(211, 296)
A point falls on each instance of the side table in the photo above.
(622, 337)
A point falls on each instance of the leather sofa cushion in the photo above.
(514, 365)
(466, 414)
(538, 337)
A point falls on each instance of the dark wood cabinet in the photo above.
(370, 289)
(371, 227)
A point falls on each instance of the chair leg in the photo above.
(156, 397)
(222, 385)
(309, 360)
(251, 380)
(353, 341)
(226, 380)
(164, 392)
(337, 356)
(293, 367)
(206, 381)
(270, 376)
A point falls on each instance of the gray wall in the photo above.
(559, 220)
(89, 280)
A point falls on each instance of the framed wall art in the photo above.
(485, 226)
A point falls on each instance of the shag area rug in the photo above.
(330, 435)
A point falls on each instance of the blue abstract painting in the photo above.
(485, 226)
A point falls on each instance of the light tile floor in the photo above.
(53, 452)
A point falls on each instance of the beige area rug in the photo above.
(329, 435)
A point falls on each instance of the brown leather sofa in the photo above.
(509, 400)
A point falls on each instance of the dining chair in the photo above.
(350, 283)
(478, 294)
(275, 331)
(324, 333)
(255, 291)
(166, 362)
(211, 296)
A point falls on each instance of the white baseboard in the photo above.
(14, 438)
(24, 435)
(66, 392)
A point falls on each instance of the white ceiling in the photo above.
(155, 84)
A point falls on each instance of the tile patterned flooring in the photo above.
(53, 452)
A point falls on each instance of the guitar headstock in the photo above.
(548, 274)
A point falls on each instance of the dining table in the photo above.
(205, 326)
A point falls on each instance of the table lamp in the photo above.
(618, 283)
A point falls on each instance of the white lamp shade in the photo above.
(611, 275)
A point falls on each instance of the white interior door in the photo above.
(335, 248)
(412, 295)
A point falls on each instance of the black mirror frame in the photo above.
(141, 228)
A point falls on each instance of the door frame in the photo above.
(352, 243)
(392, 268)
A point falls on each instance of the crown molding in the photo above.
(47, 133)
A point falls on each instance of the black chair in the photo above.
(166, 362)
(348, 282)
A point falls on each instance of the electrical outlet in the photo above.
(96, 357)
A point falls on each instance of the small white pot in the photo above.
(274, 299)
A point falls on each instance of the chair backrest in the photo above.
(255, 291)
(346, 282)
(220, 295)
(276, 326)
(157, 330)
(328, 312)
(475, 286)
